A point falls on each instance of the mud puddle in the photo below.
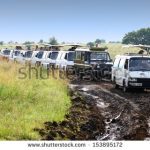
(100, 112)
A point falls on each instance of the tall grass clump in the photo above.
(26, 104)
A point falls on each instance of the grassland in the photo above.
(118, 49)
(6, 46)
(26, 104)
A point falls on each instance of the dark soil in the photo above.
(83, 122)
(100, 112)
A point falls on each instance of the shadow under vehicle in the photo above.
(94, 63)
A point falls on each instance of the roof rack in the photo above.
(82, 49)
(134, 54)
(98, 48)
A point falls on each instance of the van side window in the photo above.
(78, 55)
(121, 64)
(66, 56)
(116, 62)
(83, 56)
(126, 64)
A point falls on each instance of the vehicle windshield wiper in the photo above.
(141, 69)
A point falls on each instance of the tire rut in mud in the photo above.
(100, 112)
(133, 111)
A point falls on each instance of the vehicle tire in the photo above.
(63, 68)
(125, 89)
(47, 66)
(141, 90)
(68, 71)
(116, 86)
(36, 64)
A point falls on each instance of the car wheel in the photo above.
(125, 88)
(64, 68)
(36, 64)
(116, 86)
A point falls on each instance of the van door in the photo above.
(62, 61)
(115, 69)
(121, 72)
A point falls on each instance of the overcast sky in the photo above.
(71, 20)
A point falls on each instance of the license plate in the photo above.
(138, 84)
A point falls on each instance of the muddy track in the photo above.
(83, 121)
(126, 114)
(140, 102)
(100, 112)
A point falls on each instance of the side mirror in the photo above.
(22, 54)
(126, 66)
(111, 60)
(66, 56)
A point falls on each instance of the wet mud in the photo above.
(101, 112)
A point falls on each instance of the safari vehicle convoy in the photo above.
(131, 71)
(98, 111)
(95, 63)
(128, 71)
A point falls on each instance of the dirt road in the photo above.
(101, 112)
(126, 115)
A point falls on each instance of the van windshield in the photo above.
(16, 53)
(6, 52)
(40, 55)
(99, 56)
(54, 55)
(71, 56)
(28, 54)
(139, 64)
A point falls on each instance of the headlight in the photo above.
(70, 66)
(98, 66)
(133, 79)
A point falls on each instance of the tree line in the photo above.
(97, 41)
(52, 41)
(141, 36)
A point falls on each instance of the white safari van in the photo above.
(131, 71)
(66, 60)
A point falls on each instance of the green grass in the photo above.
(118, 49)
(6, 46)
(26, 104)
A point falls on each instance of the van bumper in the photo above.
(140, 83)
